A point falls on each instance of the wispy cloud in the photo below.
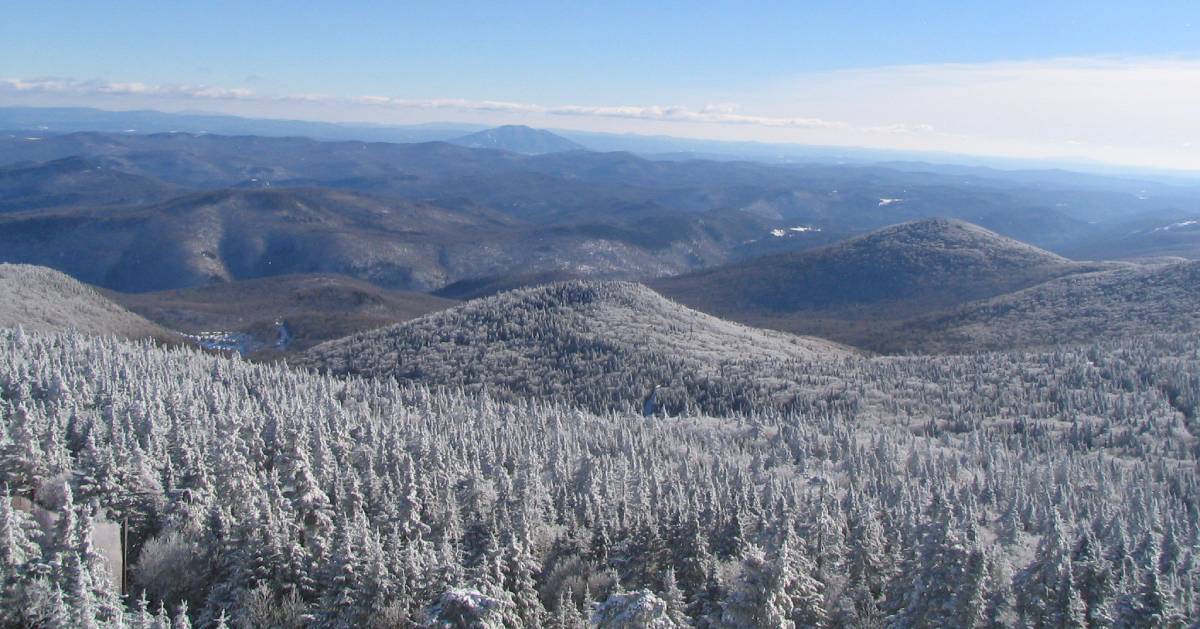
(1119, 110)
(1093, 101)
(107, 88)
(712, 114)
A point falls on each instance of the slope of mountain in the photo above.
(303, 309)
(518, 139)
(887, 275)
(75, 181)
(37, 298)
(1077, 309)
(599, 344)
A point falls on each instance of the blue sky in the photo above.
(979, 77)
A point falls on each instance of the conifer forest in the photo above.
(1053, 489)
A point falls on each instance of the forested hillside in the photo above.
(601, 345)
(1056, 489)
(1135, 300)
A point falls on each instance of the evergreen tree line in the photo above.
(1046, 490)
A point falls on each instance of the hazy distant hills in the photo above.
(45, 300)
(583, 186)
(311, 308)
(1077, 309)
(225, 235)
(75, 181)
(591, 343)
(38, 121)
(1174, 234)
(518, 139)
(804, 248)
(202, 160)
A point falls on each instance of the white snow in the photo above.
(1174, 225)
(883, 202)
(780, 232)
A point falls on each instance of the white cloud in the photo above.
(1109, 108)
(1118, 110)
(105, 88)
(711, 114)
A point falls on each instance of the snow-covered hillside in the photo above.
(600, 344)
(38, 298)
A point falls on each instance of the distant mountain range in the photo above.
(179, 210)
(882, 258)
(232, 234)
(518, 139)
(59, 120)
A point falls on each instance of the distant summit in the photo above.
(518, 139)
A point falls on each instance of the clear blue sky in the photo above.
(686, 54)
(557, 51)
